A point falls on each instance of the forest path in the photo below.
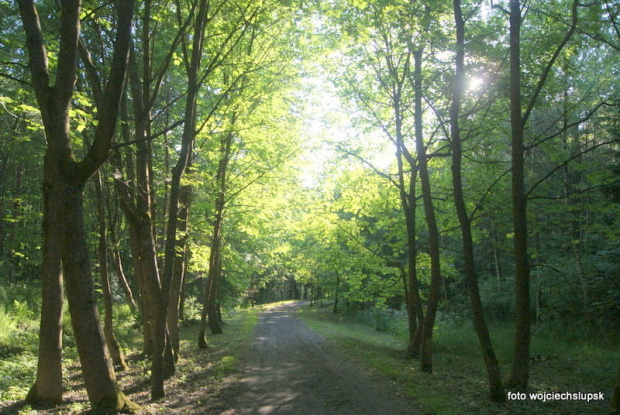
(291, 369)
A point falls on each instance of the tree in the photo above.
(102, 251)
(426, 353)
(64, 182)
(495, 381)
(520, 369)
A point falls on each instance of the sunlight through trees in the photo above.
(446, 160)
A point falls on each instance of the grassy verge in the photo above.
(200, 374)
(458, 384)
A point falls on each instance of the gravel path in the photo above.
(290, 369)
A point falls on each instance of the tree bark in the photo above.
(426, 351)
(67, 179)
(122, 279)
(496, 388)
(202, 338)
(521, 360)
(415, 309)
(102, 250)
(180, 264)
(47, 389)
(215, 259)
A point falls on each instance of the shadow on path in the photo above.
(291, 369)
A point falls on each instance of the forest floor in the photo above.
(281, 367)
(290, 358)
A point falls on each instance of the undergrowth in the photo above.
(458, 384)
(18, 345)
(200, 375)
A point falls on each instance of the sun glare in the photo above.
(474, 83)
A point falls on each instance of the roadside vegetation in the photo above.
(563, 361)
(201, 374)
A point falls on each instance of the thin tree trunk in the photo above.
(407, 193)
(498, 266)
(496, 388)
(215, 261)
(202, 338)
(215, 273)
(179, 269)
(426, 352)
(336, 294)
(122, 279)
(415, 309)
(108, 327)
(521, 361)
(185, 156)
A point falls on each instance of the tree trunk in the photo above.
(99, 377)
(408, 199)
(108, 327)
(498, 265)
(122, 279)
(496, 388)
(185, 157)
(415, 309)
(47, 389)
(69, 176)
(202, 338)
(426, 351)
(215, 274)
(178, 280)
(215, 260)
(336, 293)
(521, 364)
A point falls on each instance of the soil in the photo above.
(291, 369)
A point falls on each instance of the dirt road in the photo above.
(290, 369)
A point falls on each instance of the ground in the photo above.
(290, 369)
(286, 368)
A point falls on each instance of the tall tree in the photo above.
(490, 359)
(520, 368)
(65, 178)
(519, 375)
(426, 352)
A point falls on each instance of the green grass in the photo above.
(18, 347)
(197, 369)
(458, 384)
